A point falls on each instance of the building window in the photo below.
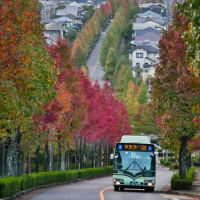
(139, 55)
(137, 64)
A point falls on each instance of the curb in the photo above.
(20, 194)
(186, 193)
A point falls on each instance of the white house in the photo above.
(148, 73)
(53, 30)
(150, 23)
(72, 9)
(143, 55)
(48, 10)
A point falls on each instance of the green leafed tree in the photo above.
(143, 94)
(80, 58)
(111, 63)
(104, 51)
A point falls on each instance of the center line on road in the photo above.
(102, 191)
(95, 69)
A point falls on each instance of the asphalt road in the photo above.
(101, 189)
(95, 69)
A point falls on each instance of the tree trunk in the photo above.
(2, 161)
(22, 166)
(59, 154)
(99, 153)
(84, 153)
(183, 158)
(51, 155)
(93, 155)
(76, 152)
(80, 154)
(105, 154)
(189, 160)
(46, 157)
(28, 163)
(18, 152)
(89, 157)
(67, 160)
(37, 155)
(63, 161)
(108, 156)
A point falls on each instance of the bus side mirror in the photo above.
(111, 156)
(152, 155)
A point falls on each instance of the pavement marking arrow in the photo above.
(102, 191)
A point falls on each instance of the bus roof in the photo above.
(135, 139)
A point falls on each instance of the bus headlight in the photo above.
(118, 181)
(150, 184)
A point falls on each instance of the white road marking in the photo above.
(173, 197)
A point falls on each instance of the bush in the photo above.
(172, 159)
(173, 166)
(180, 184)
(161, 161)
(167, 164)
(11, 185)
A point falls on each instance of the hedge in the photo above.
(179, 184)
(12, 185)
(173, 166)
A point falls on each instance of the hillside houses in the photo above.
(144, 52)
(59, 17)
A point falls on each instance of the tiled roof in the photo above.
(55, 26)
(149, 49)
(143, 20)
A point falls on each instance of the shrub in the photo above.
(9, 186)
(173, 166)
(12, 185)
(172, 159)
(179, 184)
(161, 161)
(167, 164)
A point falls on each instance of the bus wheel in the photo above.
(116, 188)
(151, 189)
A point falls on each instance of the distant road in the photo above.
(101, 189)
(94, 66)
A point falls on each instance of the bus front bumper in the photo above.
(136, 184)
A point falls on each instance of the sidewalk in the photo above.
(195, 190)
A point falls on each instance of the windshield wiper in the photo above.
(136, 164)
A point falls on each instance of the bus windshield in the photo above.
(132, 160)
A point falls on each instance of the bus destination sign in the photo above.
(135, 147)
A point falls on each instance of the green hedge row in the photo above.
(179, 184)
(12, 185)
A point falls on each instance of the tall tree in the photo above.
(175, 90)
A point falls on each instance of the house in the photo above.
(75, 20)
(67, 21)
(148, 72)
(72, 9)
(149, 14)
(147, 35)
(150, 23)
(156, 9)
(53, 30)
(48, 10)
(157, 20)
(143, 56)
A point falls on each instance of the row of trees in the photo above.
(45, 101)
(87, 38)
(175, 88)
(132, 92)
(109, 49)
